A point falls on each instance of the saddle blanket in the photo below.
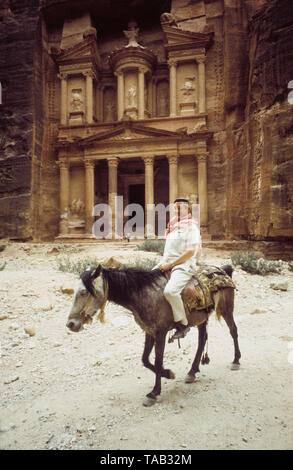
(197, 294)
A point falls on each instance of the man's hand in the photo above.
(165, 266)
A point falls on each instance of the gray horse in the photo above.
(141, 292)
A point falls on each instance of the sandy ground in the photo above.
(62, 390)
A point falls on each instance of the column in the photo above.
(201, 85)
(120, 95)
(149, 196)
(141, 73)
(154, 98)
(89, 97)
(173, 87)
(64, 98)
(150, 98)
(100, 103)
(173, 180)
(89, 194)
(112, 188)
(64, 195)
(202, 187)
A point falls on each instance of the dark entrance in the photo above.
(136, 194)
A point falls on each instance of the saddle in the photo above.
(198, 292)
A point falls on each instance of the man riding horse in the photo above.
(183, 245)
(155, 301)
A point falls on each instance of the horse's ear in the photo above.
(96, 272)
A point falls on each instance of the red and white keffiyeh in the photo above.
(184, 222)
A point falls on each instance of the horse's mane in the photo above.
(122, 281)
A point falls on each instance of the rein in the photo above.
(101, 315)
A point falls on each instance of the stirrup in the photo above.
(181, 333)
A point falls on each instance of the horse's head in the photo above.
(89, 296)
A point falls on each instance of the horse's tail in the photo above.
(224, 298)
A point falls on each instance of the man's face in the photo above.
(181, 209)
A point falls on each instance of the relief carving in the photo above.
(168, 19)
(76, 217)
(109, 104)
(76, 103)
(187, 105)
(131, 97)
(77, 207)
(188, 89)
(132, 34)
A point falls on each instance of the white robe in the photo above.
(177, 243)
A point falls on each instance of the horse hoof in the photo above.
(149, 401)
(171, 375)
(189, 379)
(235, 366)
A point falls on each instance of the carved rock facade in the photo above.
(190, 101)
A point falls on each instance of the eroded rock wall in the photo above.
(18, 25)
(259, 147)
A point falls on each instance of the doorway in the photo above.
(136, 194)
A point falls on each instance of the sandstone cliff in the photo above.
(259, 151)
(18, 25)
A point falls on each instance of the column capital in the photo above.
(172, 62)
(149, 160)
(118, 73)
(89, 163)
(173, 159)
(113, 161)
(62, 75)
(63, 164)
(89, 73)
(142, 69)
(200, 59)
(202, 156)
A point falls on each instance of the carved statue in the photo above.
(193, 198)
(169, 19)
(76, 100)
(132, 34)
(188, 88)
(77, 207)
(110, 111)
(131, 96)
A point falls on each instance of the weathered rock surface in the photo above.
(279, 286)
(67, 289)
(250, 169)
(17, 40)
(30, 330)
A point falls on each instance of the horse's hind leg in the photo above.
(148, 346)
(202, 337)
(224, 306)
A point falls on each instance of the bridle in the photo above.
(101, 315)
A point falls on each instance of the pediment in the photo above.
(83, 51)
(125, 133)
(177, 38)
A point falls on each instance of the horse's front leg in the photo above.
(159, 352)
(148, 346)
